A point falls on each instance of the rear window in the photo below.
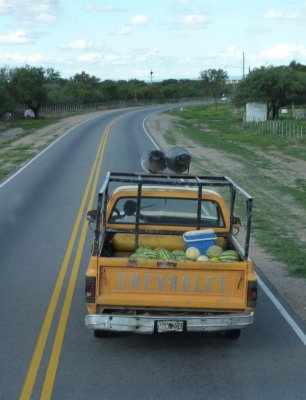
(167, 211)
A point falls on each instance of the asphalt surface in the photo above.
(45, 350)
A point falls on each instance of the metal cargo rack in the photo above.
(141, 179)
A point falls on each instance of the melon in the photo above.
(213, 251)
(203, 258)
(221, 242)
(192, 253)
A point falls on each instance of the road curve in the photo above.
(44, 248)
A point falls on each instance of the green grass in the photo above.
(279, 214)
(30, 124)
(11, 157)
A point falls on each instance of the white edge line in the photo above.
(41, 153)
(146, 131)
(267, 291)
(148, 134)
(282, 311)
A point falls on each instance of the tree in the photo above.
(214, 81)
(7, 102)
(297, 66)
(27, 87)
(171, 88)
(83, 89)
(52, 76)
(109, 90)
(301, 87)
(276, 86)
(55, 88)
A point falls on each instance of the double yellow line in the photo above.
(45, 329)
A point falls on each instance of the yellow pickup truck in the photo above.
(139, 278)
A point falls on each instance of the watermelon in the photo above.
(179, 255)
(229, 255)
(142, 249)
(163, 254)
(145, 252)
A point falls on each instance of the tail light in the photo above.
(252, 294)
(90, 289)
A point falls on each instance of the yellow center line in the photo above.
(57, 346)
(45, 329)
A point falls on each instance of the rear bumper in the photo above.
(147, 324)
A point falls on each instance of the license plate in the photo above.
(170, 326)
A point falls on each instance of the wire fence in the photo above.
(74, 108)
(81, 108)
(285, 129)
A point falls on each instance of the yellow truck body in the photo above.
(141, 295)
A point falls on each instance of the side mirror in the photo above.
(92, 216)
(236, 222)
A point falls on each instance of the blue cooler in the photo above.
(202, 240)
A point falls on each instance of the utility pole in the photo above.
(151, 73)
(243, 65)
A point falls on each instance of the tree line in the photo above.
(34, 87)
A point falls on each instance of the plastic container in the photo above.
(202, 240)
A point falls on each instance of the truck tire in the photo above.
(233, 334)
(102, 334)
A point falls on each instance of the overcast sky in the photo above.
(127, 39)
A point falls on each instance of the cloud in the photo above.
(102, 8)
(31, 13)
(124, 30)
(78, 44)
(134, 21)
(17, 37)
(89, 57)
(19, 58)
(135, 56)
(278, 15)
(283, 51)
(3, 6)
(194, 19)
(231, 52)
(231, 57)
(117, 59)
(183, 2)
(139, 20)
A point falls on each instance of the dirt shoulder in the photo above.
(17, 147)
(45, 135)
(290, 288)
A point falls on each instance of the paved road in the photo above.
(45, 350)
